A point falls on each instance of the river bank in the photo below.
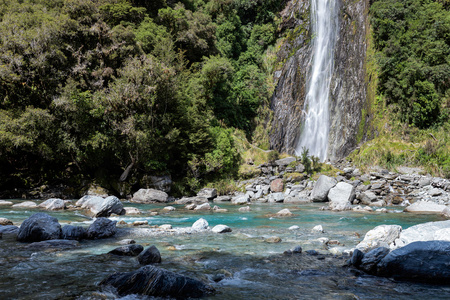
(253, 261)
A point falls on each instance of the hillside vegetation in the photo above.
(409, 53)
(110, 89)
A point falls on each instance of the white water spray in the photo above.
(314, 130)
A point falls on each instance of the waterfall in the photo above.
(315, 127)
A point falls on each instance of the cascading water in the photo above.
(315, 127)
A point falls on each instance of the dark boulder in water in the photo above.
(372, 258)
(128, 250)
(39, 227)
(101, 228)
(150, 256)
(53, 245)
(70, 232)
(419, 261)
(152, 281)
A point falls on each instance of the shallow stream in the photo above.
(244, 264)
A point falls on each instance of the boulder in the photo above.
(101, 228)
(200, 224)
(284, 161)
(169, 208)
(322, 187)
(96, 190)
(221, 228)
(245, 209)
(318, 228)
(127, 250)
(129, 210)
(368, 197)
(9, 231)
(126, 242)
(39, 227)
(341, 196)
(5, 221)
(276, 197)
(209, 193)
(53, 204)
(150, 196)
(446, 212)
(165, 227)
(162, 183)
(419, 261)
(204, 206)
(70, 232)
(101, 207)
(425, 207)
(273, 239)
(25, 204)
(277, 185)
(420, 232)
(191, 200)
(284, 213)
(372, 258)
(380, 236)
(240, 200)
(435, 192)
(5, 203)
(222, 199)
(357, 257)
(152, 281)
(442, 235)
(150, 256)
(54, 245)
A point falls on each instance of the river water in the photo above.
(251, 268)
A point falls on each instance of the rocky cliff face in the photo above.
(348, 101)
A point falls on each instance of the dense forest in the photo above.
(115, 89)
(118, 88)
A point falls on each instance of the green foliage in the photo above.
(413, 53)
(89, 88)
(273, 156)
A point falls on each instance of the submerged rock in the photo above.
(5, 221)
(127, 250)
(70, 232)
(284, 213)
(39, 227)
(153, 281)
(372, 258)
(418, 261)
(221, 228)
(101, 228)
(150, 256)
(54, 245)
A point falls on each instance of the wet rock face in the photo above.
(153, 281)
(39, 227)
(348, 86)
(289, 95)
